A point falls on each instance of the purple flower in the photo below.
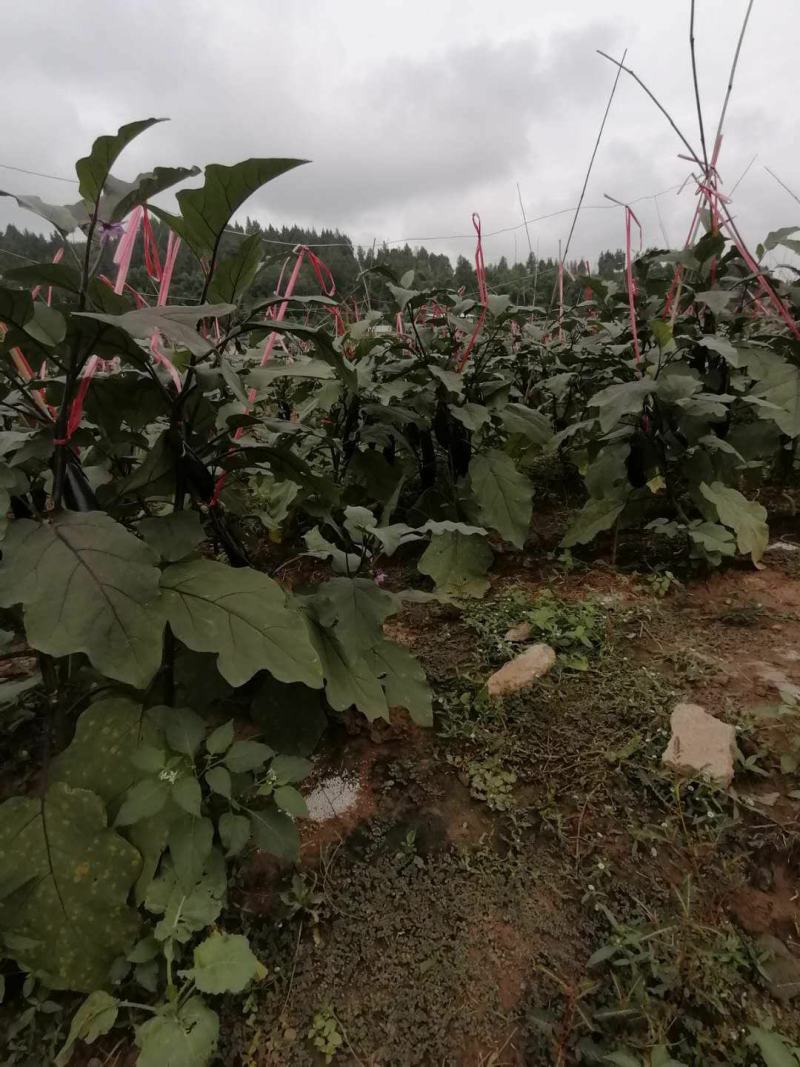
(110, 231)
(380, 577)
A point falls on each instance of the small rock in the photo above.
(521, 671)
(781, 970)
(701, 744)
(520, 632)
(776, 678)
(766, 800)
(782, 546)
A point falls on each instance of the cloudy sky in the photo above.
(415, 114)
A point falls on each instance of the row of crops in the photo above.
(164, 467)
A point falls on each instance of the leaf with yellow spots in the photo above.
(102, 754)
(64, 883)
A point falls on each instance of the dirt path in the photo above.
(525, 884)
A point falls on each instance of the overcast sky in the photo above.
(414, 114)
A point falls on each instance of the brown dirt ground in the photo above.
(472, 947)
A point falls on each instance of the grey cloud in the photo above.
(413, 114)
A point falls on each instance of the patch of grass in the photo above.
(574, 628)
(491, 783)
(659, 989)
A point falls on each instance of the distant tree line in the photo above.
(349, 265)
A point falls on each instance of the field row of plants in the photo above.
(164, 468)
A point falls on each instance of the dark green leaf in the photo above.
(503, 495)
(94, 1017)
(184, 729)
(595, 516)
(234, 275)
(288, 799)
(219, 781)
(234, 832)
(243, 616)
(224, 963)
(190, 841)
(93, 170)
(290, 768)
(88, 585)
(65, 218)
(457, 563)
(220, 740)
(183, 1038)
(205, 212)
(142, 800)
(55, 853)
(120, 197)
(245, 756)
(275, 833)
(187, 795)
(173, 536)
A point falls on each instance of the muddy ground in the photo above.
(525, 883)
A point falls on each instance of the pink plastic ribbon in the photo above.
(170, 257)
(76, 407)
(124, 252)
(483, 294)
(328, 287)
(630, 217)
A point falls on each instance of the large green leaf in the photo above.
(403, 680)
(350, 680)
(186, 907)
(234, 832)
(64, 883)
(190, 842)
(592, 519)
(276, 833)
(87, 585)
(179, 1037)
(176, 322)
(458, 563)
(94, 169)
(234, 275)
(62, 275)
(65, 218)
(205, 212)
(224, 963)
(263, 377)
(531, 424)
(774, 1050)
(46, 325)
(746, 518)
(94, 1017)
(142, 801)
(356, 609)
(244, 617)
(102, 754)
(173, 536)
(781, 386)
(16, 307)
(504, 495)
(105, 339)
(120, 197)
(291, 717)
(616, 401)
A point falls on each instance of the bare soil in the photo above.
(457, 928)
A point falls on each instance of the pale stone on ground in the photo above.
(780, 968)
(522, 670)
(520, 632)
(701, 744)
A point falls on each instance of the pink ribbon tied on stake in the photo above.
(631, 217)
(483, 294)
